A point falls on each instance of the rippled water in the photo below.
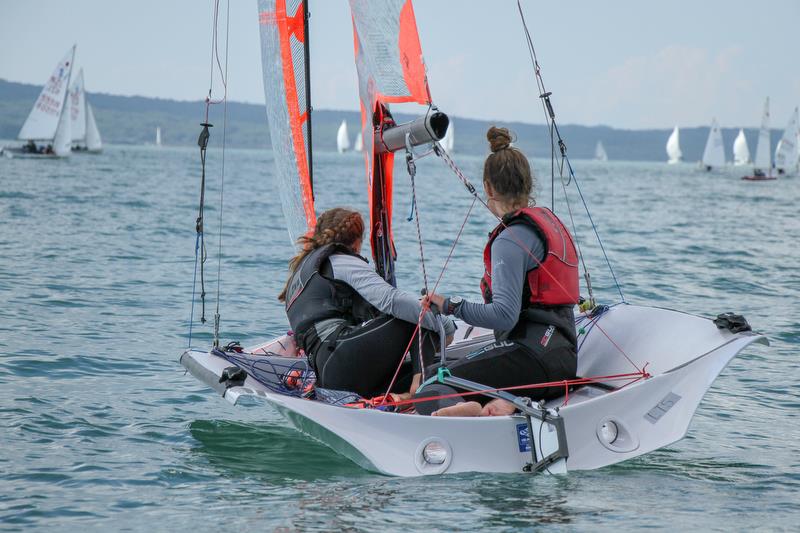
(100, 428)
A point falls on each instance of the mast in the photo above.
(307, 52)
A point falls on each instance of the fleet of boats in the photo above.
(61, 120)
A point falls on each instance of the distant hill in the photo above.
(133, 120)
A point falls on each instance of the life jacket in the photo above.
(313, 295)
(551, 289)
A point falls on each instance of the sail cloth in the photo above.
(44, 118)
(390, 70)
(283, 61)
(77, 101)
(714, 153)
(763, 160)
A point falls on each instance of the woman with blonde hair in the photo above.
(529, 287)
(351, 323)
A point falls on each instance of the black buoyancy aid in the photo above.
(313, 295)
(552, 288)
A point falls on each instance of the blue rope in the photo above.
(594, 228)
(194, 286)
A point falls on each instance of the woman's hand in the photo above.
(434, 299)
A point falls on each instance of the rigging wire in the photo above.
(200, 248)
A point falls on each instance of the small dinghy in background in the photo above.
(48, 128)
(642, 370)
(762, 165)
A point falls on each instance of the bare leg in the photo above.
(498, 407)
(460, 409)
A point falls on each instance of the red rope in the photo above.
(632, 377)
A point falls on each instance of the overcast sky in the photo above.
(626, 63)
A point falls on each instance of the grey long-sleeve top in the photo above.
(386, 298)
(510, 262)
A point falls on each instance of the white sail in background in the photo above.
(359, 144)
(342, 138)
(741, 153)
(158, 136)
(763, 160)
(786, 153)
(600, 152)
(45, 116)
(448, 141)
(674, 147)
(714, 154)
(77, 101)
(93, 141)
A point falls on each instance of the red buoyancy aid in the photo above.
(555, 280)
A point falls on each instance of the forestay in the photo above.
(283, 59)
(43, 119)
(390, 70)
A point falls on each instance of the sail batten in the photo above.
(283, 57)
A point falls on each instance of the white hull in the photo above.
(683, 353)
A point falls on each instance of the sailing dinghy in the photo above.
(48, 128)
(762, 164)
(741, 153)
(342, 138)
(714, 153)
(600, 152)
(787, 156)
(85, 135)
(644, 369)
(674, 147)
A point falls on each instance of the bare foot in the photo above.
(498, 407)
(460, 409)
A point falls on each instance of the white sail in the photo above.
(763, 160)
(77, 104)
(600, 152)
(741, 153)
(93, 141)
(62, 140)
(45, 116)
(714, 154)
(359, 144)
(158, 136)
(674, 147)
(787, 151)
(448, 141)
(342, 138)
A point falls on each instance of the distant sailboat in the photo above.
(763, 163)
(85, 135)
(158, 136)
(741, 153)
(342, 138)
(359, 144)
(674, 147)
(48, 128)
(714, 154)
(600, 152)
(448, 141)
(786, 153)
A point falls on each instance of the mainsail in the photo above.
(714, 154)
(741, 153)
(284, 42)
(44, 118)
(77, 100)
(786, 152)
(763, 160)
(674, 147)
(390, 70)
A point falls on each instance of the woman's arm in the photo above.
(386, 298)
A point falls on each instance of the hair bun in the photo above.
(499, 138)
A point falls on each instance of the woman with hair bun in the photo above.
(351, 323)
(529, 287)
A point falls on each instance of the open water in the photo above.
(101, 430)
